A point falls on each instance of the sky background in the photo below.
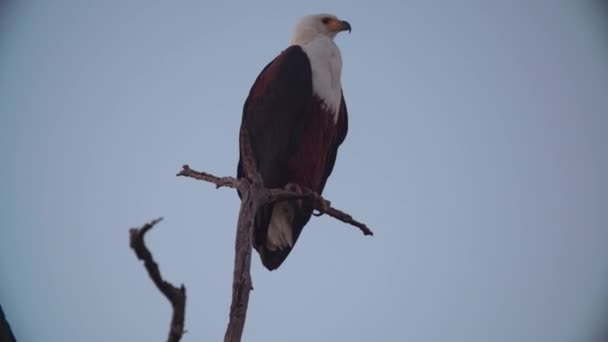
(476, 151)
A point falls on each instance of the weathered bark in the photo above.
(176, 296)
(241, 283)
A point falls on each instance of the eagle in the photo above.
(296, 119)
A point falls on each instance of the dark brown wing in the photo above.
(274, 114)
(275, 111)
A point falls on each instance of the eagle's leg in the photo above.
(293, 187)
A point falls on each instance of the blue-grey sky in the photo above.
(476, 151)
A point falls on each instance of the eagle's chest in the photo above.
(326, 66)
(309, 162)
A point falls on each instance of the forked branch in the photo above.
(177, 296)
(253, 195)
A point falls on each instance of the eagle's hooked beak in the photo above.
(339, 25)
(345, 25)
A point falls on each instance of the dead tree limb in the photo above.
(177, 296)
(254, 195)
(277, 195)
(6, 333)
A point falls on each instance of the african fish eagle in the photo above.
(296, 118)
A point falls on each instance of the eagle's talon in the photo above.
(293, 187)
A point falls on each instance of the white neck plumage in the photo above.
(326, 65)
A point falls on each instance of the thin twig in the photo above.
(219, 182)
(344, 217)
(177, 296)
(320, 204)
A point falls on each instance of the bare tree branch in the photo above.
(254, 195)
(320, 204)
(219, 182)
(177, 296)
(251, 199)
(277, 195)
(242, 284)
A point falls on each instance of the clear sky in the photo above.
(476, 151)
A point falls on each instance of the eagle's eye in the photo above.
(325, 20)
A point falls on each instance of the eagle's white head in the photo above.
(315, 34)
(318, 25)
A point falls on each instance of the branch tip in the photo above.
(176, 296)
